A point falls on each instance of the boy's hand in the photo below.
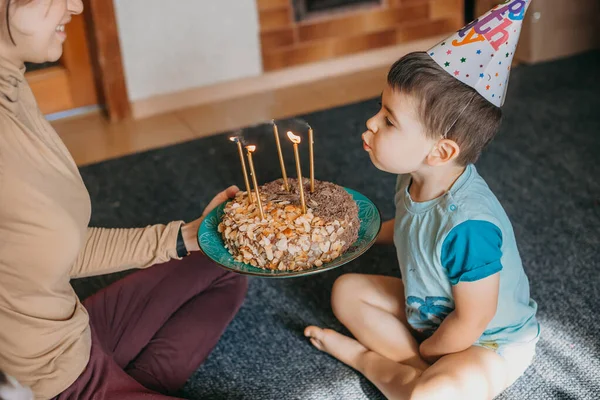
(475, 306)
(425, 353)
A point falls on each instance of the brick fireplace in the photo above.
(305, 9)
(295, 32)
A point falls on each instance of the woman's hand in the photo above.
(190, 230)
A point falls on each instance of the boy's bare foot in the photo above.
(394, 379)
(339, 346)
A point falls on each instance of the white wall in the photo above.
(173, 45)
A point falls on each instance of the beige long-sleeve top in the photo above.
(45, 241)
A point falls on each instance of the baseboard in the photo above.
(278, 79)
(72, 113)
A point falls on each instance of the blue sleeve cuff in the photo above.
(472, 251)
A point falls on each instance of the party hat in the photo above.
(480, 54)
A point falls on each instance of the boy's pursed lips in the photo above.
(365, 144)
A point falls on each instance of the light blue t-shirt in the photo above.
(462, 236)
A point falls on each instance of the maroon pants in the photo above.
(151, 330)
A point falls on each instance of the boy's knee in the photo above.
(343, 285)
(344, 291)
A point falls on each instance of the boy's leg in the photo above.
(395, 380)
(372, 307)
(474, 374)
(161, 323)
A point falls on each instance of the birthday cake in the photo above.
(288, 239)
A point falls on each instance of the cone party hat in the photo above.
(480, 55)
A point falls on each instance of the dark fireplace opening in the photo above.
(306, 8)
(320, 5)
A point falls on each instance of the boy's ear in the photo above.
(443, 152)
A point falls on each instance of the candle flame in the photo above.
(251, 149)
(294, 138)
(234, 139)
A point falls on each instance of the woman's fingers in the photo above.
(231, 191)
(225, 195)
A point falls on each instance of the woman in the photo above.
(141, 336)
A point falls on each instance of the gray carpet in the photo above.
(543, 166)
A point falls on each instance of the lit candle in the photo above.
(281, 162)
(239, 145)
(296, 140)
(311, 154)
(251, 149)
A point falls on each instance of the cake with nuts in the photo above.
(286, 239)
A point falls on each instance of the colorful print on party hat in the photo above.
(480, 55)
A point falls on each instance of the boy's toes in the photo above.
(315, 334)
(317, 344)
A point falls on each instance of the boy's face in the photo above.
(395, 138)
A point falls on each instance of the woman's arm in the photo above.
(112, 250)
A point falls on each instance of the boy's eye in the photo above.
(388, 122)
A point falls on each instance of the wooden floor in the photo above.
(92, 139)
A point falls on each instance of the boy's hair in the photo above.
(446, 106)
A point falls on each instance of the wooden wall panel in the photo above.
(325, 49)
(365, 22)
(396, 3)
(52, 89)
(77, 61)
(367, 42)
(271, 4)
(276, 39)
(422, 30)
(275, 19)
(286, 42)
(106, 48)
(449, 9)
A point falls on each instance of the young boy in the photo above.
(460, 323)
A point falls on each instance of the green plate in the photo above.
(213, 246)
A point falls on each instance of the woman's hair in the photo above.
(447, 107)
